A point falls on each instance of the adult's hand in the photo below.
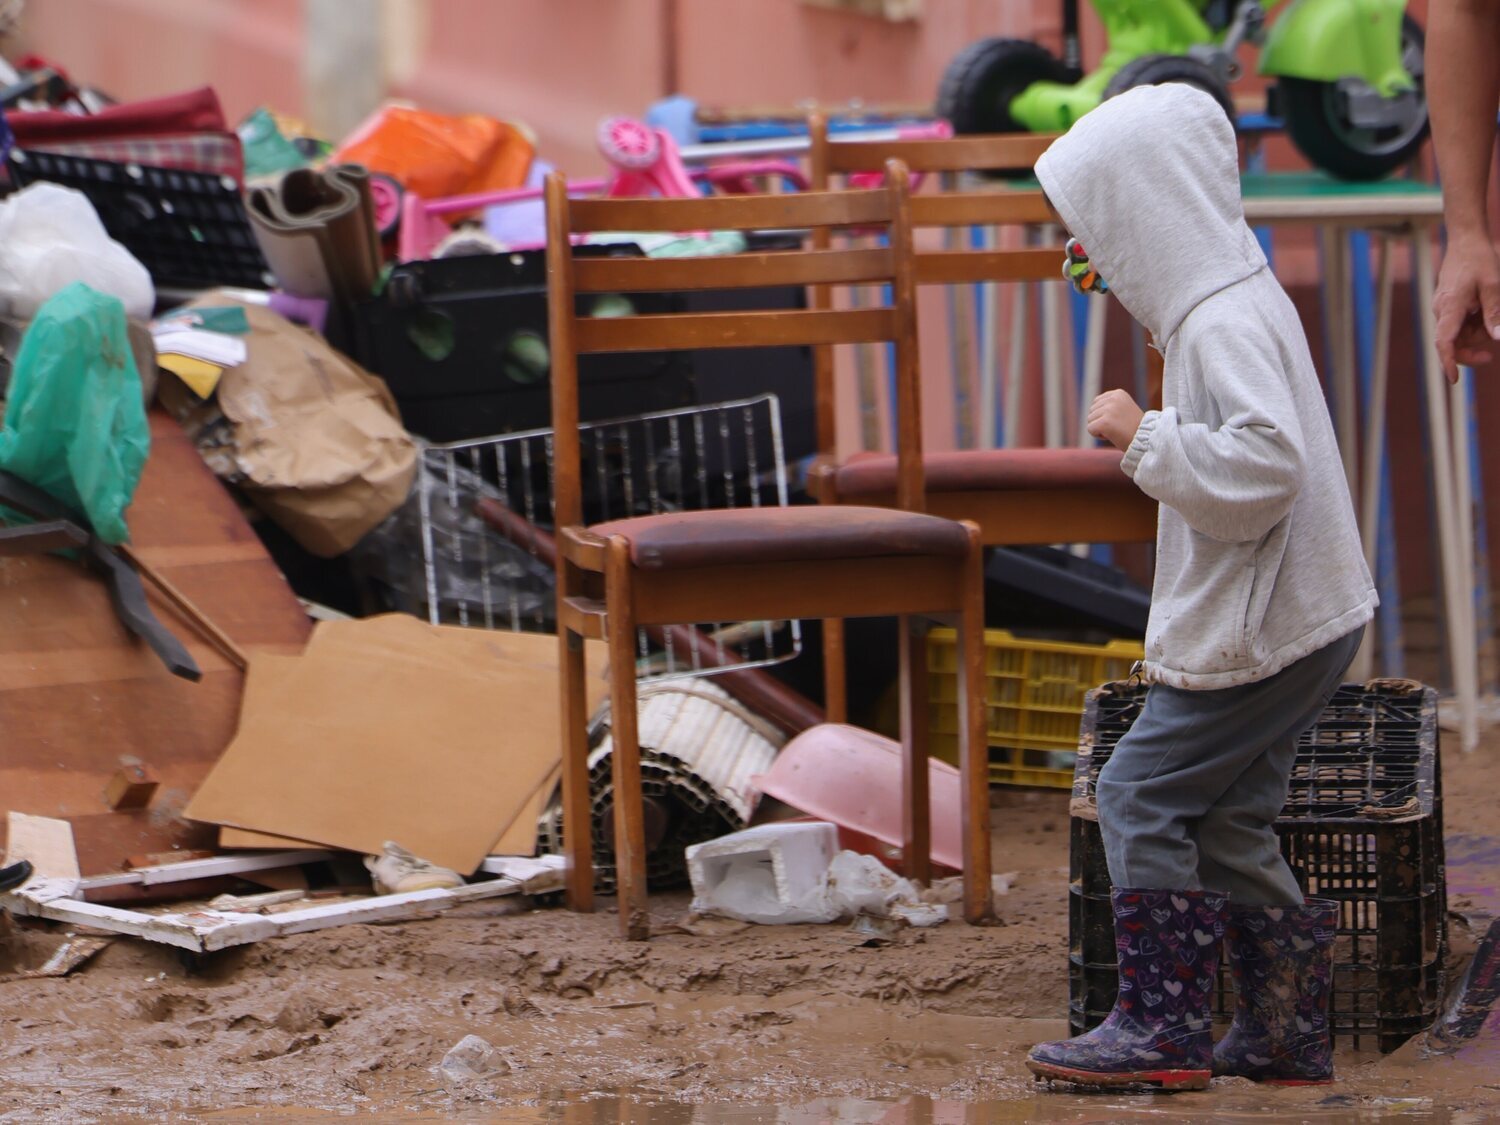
(1463, 86)
(1467, 305)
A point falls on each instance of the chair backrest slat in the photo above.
(893, 320)
(979, 209)
(738, 271)
(957, 267)
(960, 203)
(958, 154)
(770, 328)
(787, 211)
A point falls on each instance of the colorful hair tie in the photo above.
(1084, 277)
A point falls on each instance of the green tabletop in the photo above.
(1261, 185)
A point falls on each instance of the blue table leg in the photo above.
(1392, 660)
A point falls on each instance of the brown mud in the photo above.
(723, 1023)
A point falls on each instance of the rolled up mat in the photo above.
(317, 231)
(699, 749)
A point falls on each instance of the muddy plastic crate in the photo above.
(1363, 825)
(1033, 701)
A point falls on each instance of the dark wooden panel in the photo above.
(78, 694)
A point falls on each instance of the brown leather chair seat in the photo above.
(683, 540)
(990, 470)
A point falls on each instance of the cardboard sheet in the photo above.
(230, 838)
(388, 728)
(519, 839)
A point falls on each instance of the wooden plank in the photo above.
(203, 931)
(206, 868)
(80, 695)
(538, 876)
(1396, 209)
(742, 271)
(790, 211)
(979, 209)
(132, 787)
(45, 841)
(958, 154)
(952, 267)
(668, 332)
(64, 959)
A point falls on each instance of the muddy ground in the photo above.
(727, 1023)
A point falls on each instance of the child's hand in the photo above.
(1115, 417)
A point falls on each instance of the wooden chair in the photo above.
(756, 563)
(1016, 496)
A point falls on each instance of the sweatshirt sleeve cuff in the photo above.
(1140, 443)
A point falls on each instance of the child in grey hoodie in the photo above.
(1260, 600)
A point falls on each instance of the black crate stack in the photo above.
(1363, 824)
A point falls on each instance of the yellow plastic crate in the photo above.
(1033, 701)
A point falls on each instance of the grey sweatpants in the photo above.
(1189, 797)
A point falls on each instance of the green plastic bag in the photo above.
(75, 425)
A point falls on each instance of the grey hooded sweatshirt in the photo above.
(1258, 559)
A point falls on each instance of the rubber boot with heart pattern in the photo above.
(1282, 961)
(1158, 1032)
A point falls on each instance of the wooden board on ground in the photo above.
(44, 842)
(437, 738)
(81, 697)
(204, 929)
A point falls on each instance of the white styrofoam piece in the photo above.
(771, 874)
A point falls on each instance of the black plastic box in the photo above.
(1363, 824)
(488, 372)
(490, 314)
(189, 229)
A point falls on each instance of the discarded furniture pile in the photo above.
(385, 533)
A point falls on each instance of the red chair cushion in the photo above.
(990, 470)
(782, 535)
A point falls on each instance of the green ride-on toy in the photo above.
(1348, 73)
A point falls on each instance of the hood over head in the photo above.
(1149, 183)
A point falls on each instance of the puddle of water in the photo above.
(1472, 861)
(617, 1108)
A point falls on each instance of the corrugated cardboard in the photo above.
(435, 737)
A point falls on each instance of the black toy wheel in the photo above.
(984, 77)
(1318, 119)
(1154, 70)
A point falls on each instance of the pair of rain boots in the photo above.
(1158, 1033)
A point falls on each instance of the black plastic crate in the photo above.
(494, 377)
(1363, 824)
(189, 229)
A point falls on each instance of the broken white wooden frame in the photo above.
(204, 930)
(204, 868)
(55, 893)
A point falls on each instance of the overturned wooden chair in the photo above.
(1017, 496)
(755, 563)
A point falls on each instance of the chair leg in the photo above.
(916, 799)
(835, 671)
(625, 757)
(974, 751)
(577, 811)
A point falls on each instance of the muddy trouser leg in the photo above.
(1189, 797)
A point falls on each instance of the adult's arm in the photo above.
(1463, 92)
